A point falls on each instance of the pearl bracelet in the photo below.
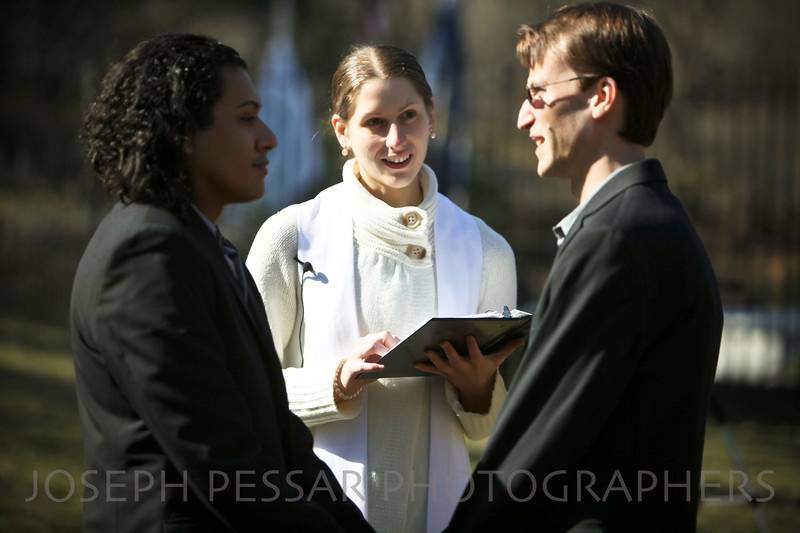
(338, 393)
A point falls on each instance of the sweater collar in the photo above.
(378, 219)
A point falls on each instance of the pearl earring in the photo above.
(345, 151)
(433, 135)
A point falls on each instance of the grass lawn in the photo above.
(41, 429)
(41, 433)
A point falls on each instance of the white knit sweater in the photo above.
(394, 291)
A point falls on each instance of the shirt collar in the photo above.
(211, 226)
(561, 230)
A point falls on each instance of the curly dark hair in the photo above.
(149, 104)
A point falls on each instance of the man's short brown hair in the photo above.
(621, 42)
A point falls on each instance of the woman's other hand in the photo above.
(473, 376)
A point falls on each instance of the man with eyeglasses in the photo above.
(604, 423)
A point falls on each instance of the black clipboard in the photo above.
(490, 329)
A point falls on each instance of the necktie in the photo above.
(234, 262)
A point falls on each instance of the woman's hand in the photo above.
(473, 376)
(366, 352)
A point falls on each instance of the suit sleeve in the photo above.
(579, 362)
(155, 313)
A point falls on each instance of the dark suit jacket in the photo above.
(180, 391)
(615, 383)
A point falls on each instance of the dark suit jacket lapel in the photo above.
(258, 321)
(649, 170)
(641, 172)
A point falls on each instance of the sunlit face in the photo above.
(557, 118)
(227, 162)
(388, 133)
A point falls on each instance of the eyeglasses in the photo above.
(533, 93)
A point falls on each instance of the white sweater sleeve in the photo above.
(498, 288)
(272, 265)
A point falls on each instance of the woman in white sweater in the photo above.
(345, 275)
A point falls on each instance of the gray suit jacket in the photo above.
(607, 410)
(180, 391)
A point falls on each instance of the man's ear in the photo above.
(605, 98)
(340, 129)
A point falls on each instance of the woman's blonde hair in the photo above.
(366, 62)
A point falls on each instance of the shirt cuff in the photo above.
(478, 426)
(310, 393)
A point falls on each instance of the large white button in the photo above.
(417, 252)
(411, 219)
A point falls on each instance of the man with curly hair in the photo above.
(183, 405)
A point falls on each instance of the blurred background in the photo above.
(729, 143)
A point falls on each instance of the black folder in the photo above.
(490, 329)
